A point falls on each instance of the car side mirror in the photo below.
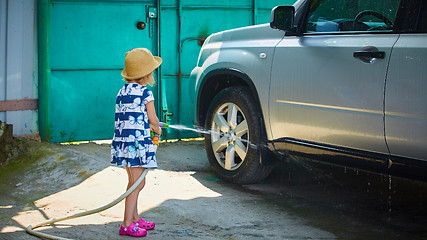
(282, 17)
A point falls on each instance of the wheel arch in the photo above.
(220, 79)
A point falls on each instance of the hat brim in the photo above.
(157, 62)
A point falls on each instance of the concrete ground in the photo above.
(299, 200)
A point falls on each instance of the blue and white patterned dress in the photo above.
(132, 145)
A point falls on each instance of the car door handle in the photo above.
(369, 54)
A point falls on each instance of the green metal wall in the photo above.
(81, 55)
(84, 53)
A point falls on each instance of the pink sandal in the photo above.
(133, 230)
(145, 225)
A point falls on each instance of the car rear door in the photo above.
(322, 88)
(406, 89)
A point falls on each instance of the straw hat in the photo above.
(139, 62)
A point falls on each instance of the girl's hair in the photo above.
(147, 79)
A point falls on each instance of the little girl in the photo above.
(132, 146)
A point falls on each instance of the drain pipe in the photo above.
(163, 102)
(44, 73)
(255, 12)
(179, 67)
(164, 110)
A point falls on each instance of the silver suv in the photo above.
(341, 81)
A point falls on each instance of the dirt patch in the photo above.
(21, 153)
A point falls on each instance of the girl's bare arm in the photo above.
(152, 118)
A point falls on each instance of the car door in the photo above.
(406, 89)
(327, 84)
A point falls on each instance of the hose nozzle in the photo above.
(156, 138)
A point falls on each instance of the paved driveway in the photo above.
(301, 200)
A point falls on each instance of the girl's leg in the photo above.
(130, 184)
(131, 202)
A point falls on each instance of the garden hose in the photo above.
(30, 229)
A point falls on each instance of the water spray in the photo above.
(200, 130)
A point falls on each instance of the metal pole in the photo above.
(179, 66)
(255, 11)
(44, 71)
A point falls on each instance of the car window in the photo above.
(331, 16)
(422, 21)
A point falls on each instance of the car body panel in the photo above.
(319, 92)
(406, 98)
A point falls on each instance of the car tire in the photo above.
(235, 140)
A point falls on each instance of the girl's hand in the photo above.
(156, 129)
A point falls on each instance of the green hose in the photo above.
(30, 229)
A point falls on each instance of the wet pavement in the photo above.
(300, 200)
(351, 204)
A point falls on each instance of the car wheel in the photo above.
(235, 140)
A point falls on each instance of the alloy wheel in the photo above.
(229, 135)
